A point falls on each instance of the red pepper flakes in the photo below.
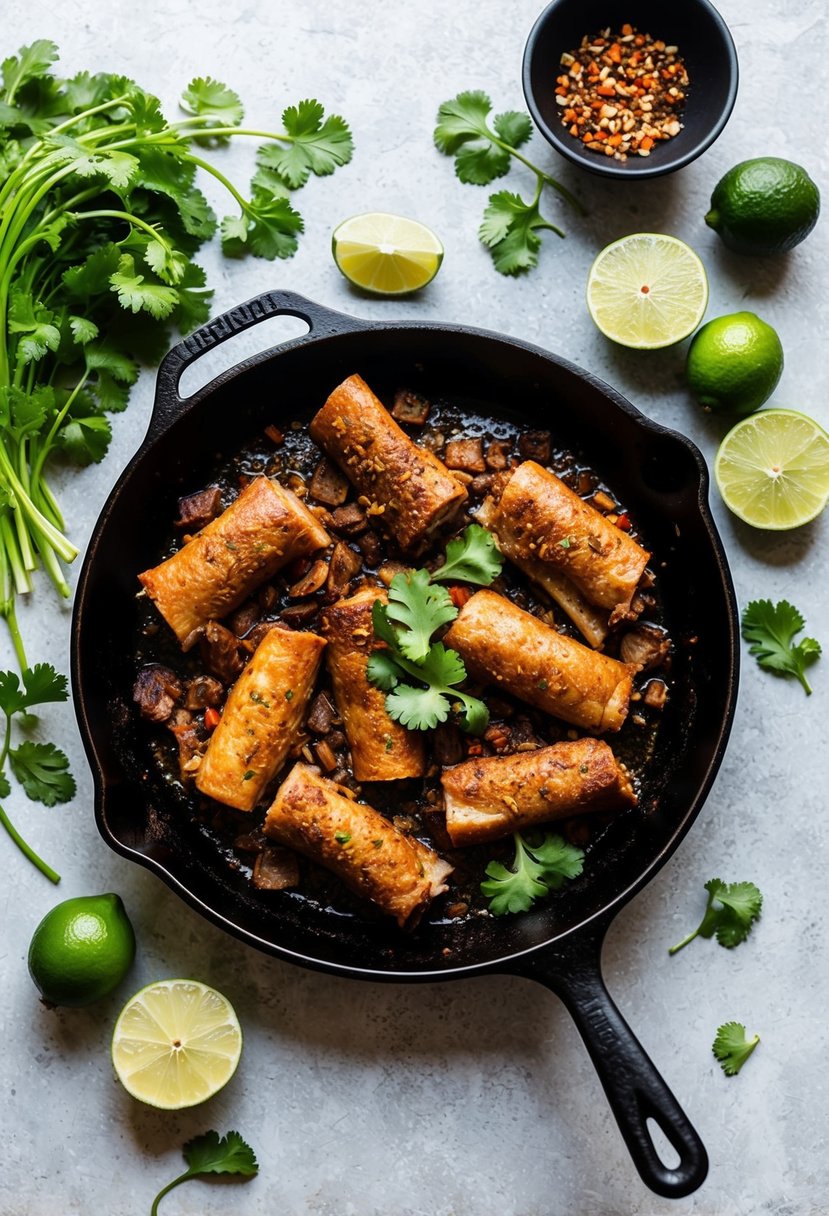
(212, 718)
(622, 94)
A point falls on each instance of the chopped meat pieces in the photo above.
(196, 510)
(322, 715)
(244, 618)
(156, 692)
(220, 652)
(410, 407)
(497, 455)
(448, 745)
(655, 694)
(645, 645)
(371, 548)
(349, 520)
(190, 744)
(329, 485)
(298, 616)
(481, 484)
(344, 565)
(275, 869)
(535, 445)
(203, 691)
(466, 455)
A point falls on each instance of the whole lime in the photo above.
(81, 950)
(763, 206)
(734, 363)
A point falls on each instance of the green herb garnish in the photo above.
(732, 1047)
(538, 869)
(100, 221)
(418, 607)
(731, 921)
(289, 694)
(482, 153)
(41, 768)
(212, 1154)
(342, 837)
(771, 629)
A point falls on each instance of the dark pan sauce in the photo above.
(415, 805)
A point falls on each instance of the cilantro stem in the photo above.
(541, 175)
(27, 850)
(220, 177)
(166, 1190)
(685, 941)
(128, 218)
(20, 653)
(227, 131)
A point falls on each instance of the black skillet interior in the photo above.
(660, 477)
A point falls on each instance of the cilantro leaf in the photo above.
(417, 708)
(29, 63)
(732, 1047)
(462, 119)
(5, 787)
(86, 440)
(209, 99)
(771, 629)
(383, 671)
(43, 771)
(28, 316)
(213, 1154)
(120, 169)
(135, 293)
(510, 232)
(194, 297)
(514, 127)
(41, 685)
(472, 557)
(83, 330)
(422, 607)
(267, 228)
(538, 868)
(739, 907)
(315, 146)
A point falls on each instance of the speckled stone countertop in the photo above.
(477, 1098)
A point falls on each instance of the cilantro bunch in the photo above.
(511, 225)
(539, 867)
(421, 677)
(41, 768)
(100, 221)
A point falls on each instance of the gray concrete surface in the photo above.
(472, 1099)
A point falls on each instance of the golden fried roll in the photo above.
(381, 749)
(557, 539)
(261, 718)
(496, 795)
(264, 529)
(504, 645)
(371, 856)
(411, 492)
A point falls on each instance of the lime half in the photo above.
(176, 1043)
(647, 290)
(772, 469)
(386, 254)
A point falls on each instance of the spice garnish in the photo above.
(622, 94)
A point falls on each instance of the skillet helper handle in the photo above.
(635, 1090)
(320, 320)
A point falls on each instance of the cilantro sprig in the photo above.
(539, 867)
(732, 1047)
(418, 606)
(511, 225)
(771, 629)
(101, 217)
(212, 1154)
(41, 768)
(730, 913)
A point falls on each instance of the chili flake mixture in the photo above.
(620, 95)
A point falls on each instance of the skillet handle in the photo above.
(321, 321)
(634, 1088)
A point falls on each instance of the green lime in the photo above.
(772, 469)
(647, 290)
(176, 1043)
(761, 206)
(387, 254)
(81, 950)
(734, 364)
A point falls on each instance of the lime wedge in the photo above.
(772, 469)
(647, 290)
(176, 1043)
(386, 254)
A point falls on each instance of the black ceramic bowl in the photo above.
(704, 42)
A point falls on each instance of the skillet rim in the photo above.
(335, 326)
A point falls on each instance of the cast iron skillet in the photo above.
(660, 477)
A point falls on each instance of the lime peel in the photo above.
(772, 469)
(647, 290)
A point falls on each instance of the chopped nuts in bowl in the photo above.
(633, 90)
